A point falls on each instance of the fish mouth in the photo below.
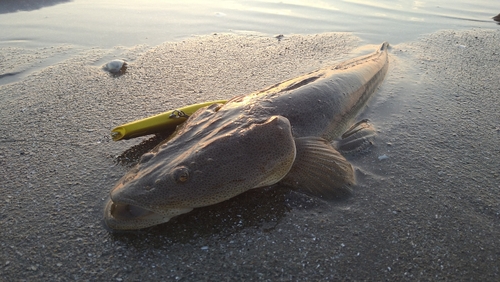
(124, 216)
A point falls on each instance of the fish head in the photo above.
(212, 158)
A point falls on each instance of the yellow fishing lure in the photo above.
(158, 123)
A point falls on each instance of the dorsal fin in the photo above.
(320, 169)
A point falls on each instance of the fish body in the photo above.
(280, 134)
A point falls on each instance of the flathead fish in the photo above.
(281, 134)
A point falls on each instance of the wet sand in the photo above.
(430, 210)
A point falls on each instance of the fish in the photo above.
(282, 134)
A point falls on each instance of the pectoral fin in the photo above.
(319, 169)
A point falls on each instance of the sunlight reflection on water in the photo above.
(107, 24)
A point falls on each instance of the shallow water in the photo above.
(105, 24)
(430, 209)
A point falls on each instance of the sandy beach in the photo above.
(426, 206)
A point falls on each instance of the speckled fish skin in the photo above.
(251, 141)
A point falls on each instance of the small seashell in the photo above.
(116, 67)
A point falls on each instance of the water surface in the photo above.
(92, 23)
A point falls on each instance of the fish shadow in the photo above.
(259, 209)
(131, 156)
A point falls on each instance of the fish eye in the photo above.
(181, 174)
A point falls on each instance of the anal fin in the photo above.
(319, 169)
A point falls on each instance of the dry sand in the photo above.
(430, 210)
